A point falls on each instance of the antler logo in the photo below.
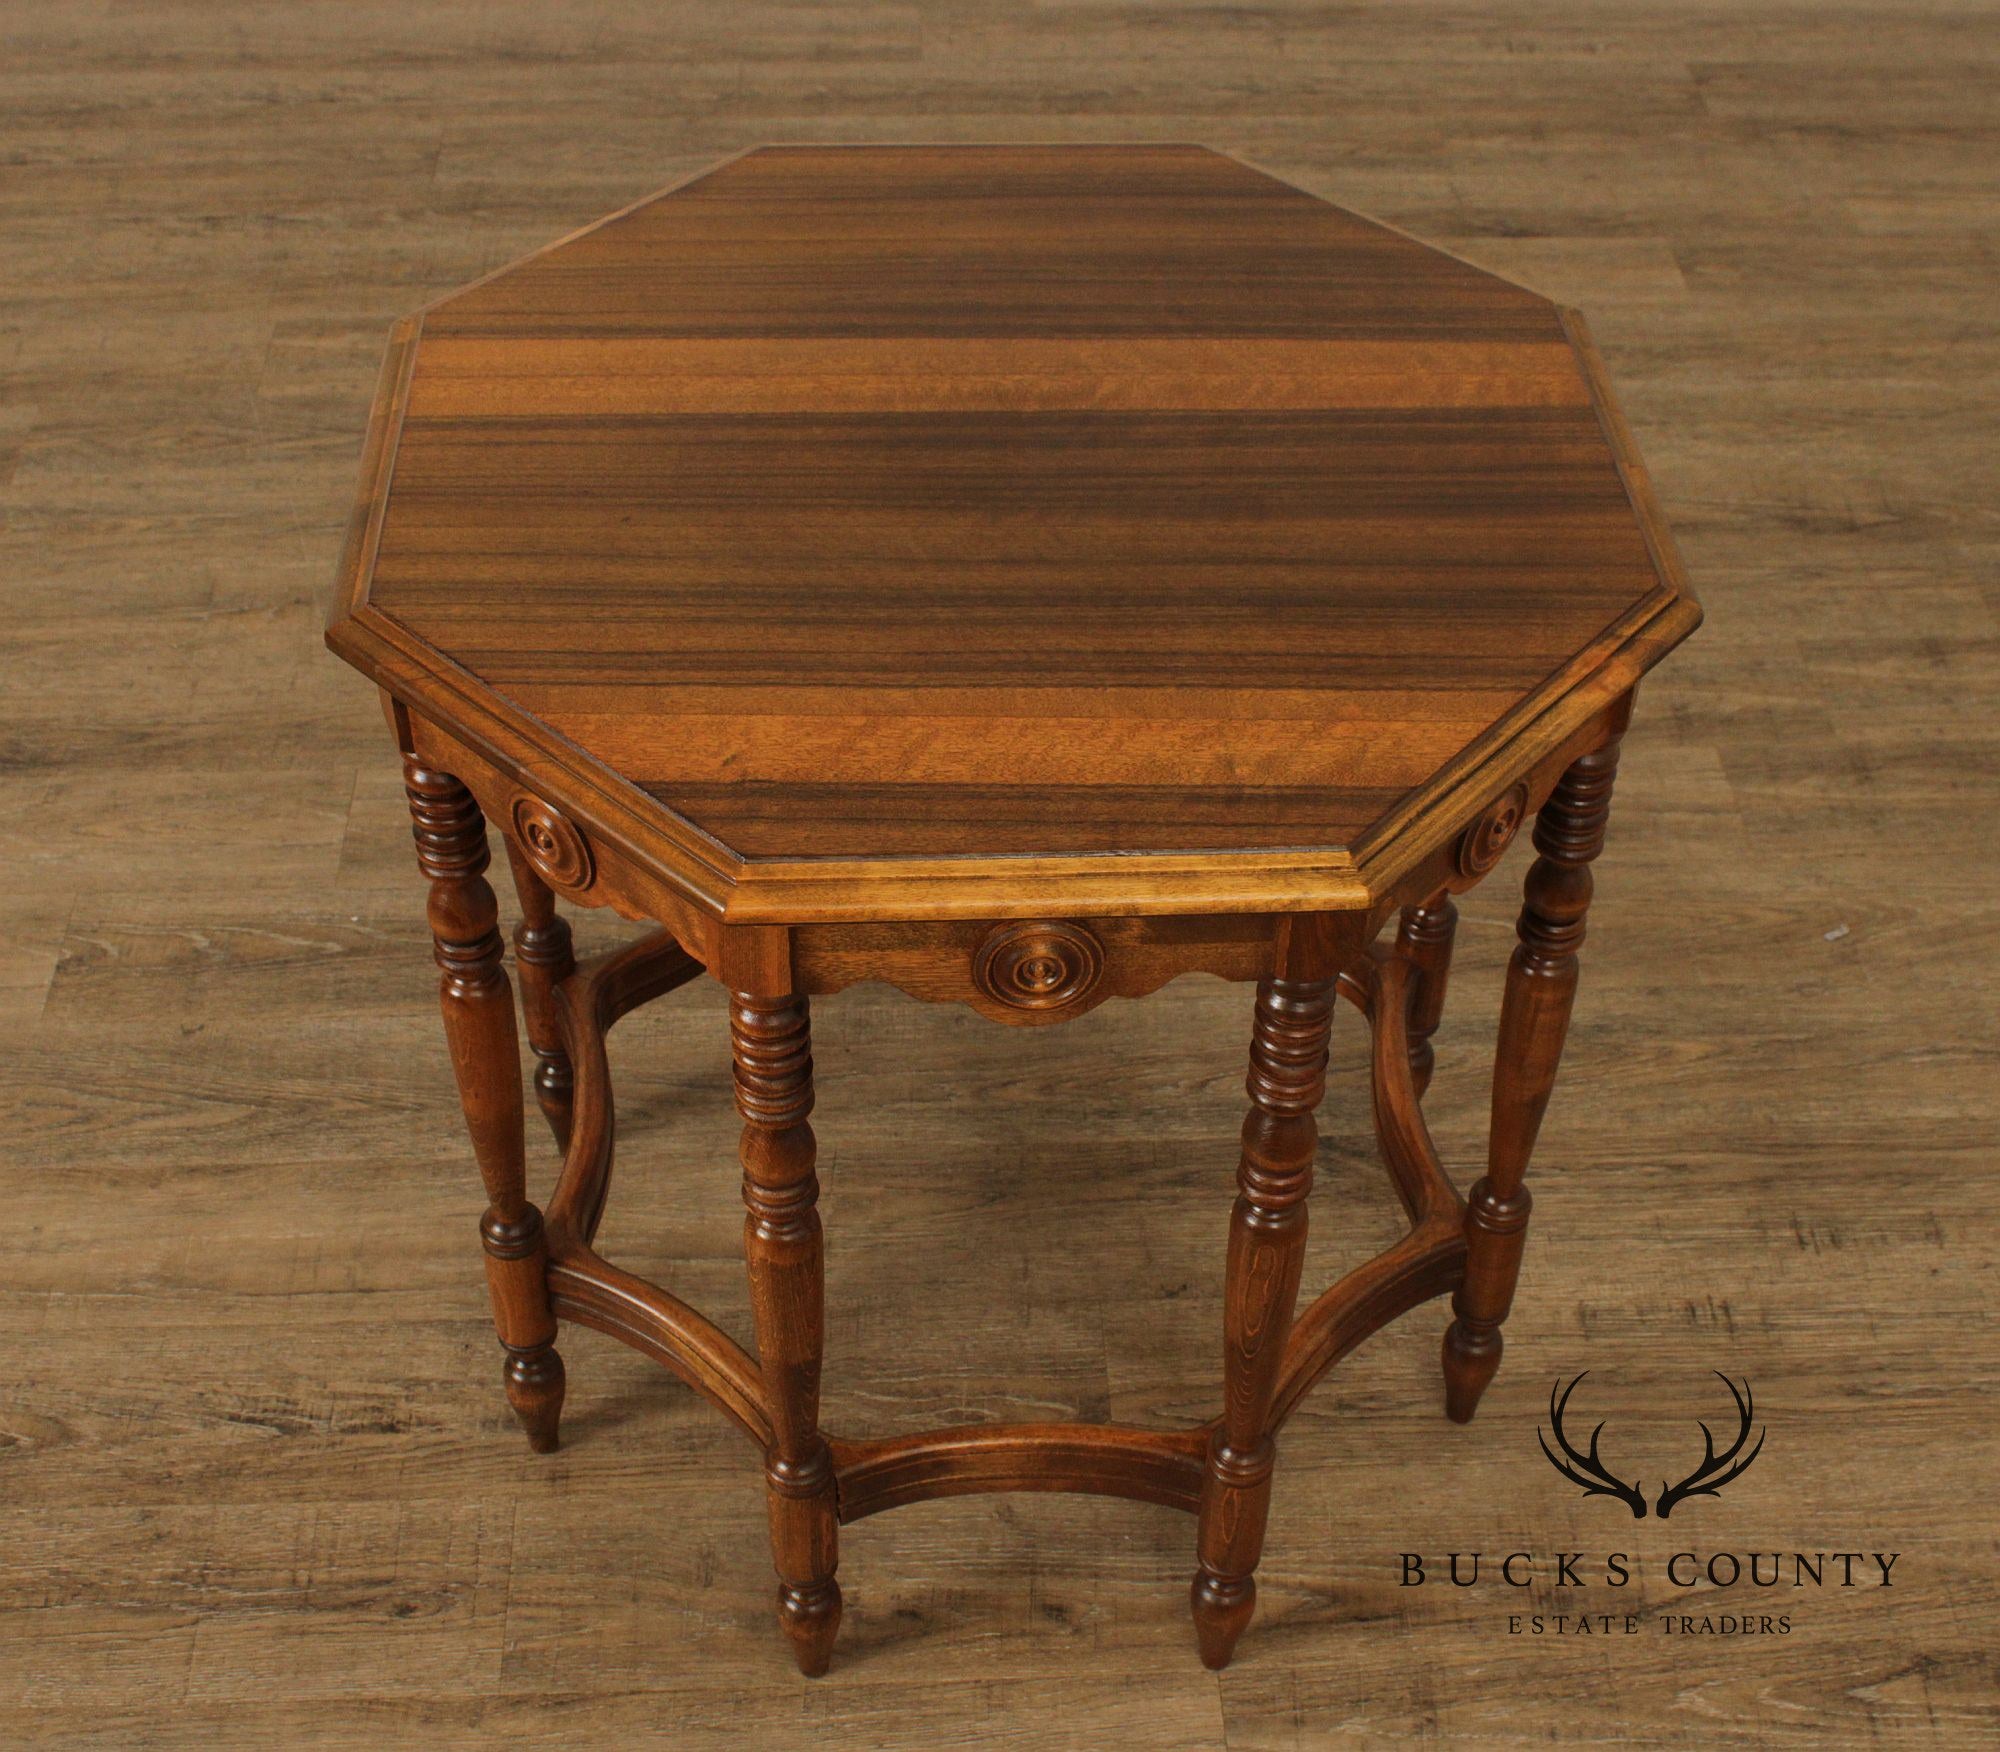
(1589, 1471)
(1715, 1469)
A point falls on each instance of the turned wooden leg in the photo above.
(478, 1008)
(1534, 1018)
(772, 1040)
(546, 957)
(1423, 939)
(1267, 1240)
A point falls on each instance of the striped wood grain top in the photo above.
(859, 503)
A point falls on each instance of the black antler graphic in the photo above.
(1715, 1469)
(1595, 1477)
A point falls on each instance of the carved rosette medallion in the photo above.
(552, 843)
(1038, 964)
(1480, 845)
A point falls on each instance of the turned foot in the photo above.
(1222, 1611)
(1471, 1360)
(810, 1619)
(535, 1383)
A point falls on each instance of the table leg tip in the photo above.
(1222, 1609)
(810, 1618)
(535, 1385)
(1471, 1360)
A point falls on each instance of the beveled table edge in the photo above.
(799, 892)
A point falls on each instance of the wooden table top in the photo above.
(865, 515)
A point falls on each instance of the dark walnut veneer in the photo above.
(1024, 575)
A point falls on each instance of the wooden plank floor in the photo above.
(257, 1482)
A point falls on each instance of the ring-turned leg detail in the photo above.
(546, 957)
(1267, 1238)
(478, 1005)
(1423, 939)
(772, 1042)
(1534, 1018)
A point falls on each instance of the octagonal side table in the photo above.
(1022, 575)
